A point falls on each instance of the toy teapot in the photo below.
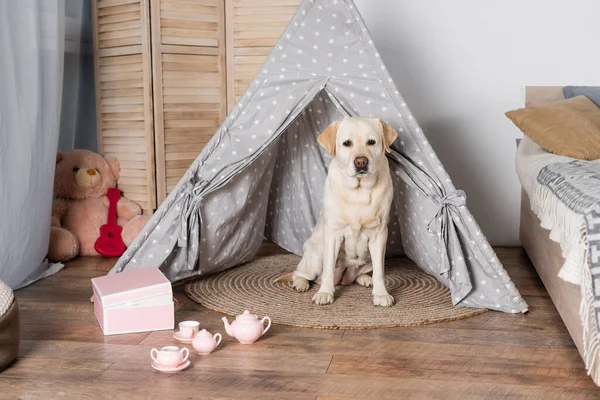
(246, 328)
(204, 342)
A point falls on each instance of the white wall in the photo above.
(461, 64)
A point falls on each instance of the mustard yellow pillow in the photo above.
(568, 127)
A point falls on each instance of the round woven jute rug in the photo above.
(419, 298)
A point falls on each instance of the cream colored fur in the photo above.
(349, 239)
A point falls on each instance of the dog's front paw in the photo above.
(300, 284)
(383, 300)
(323, 298)
(364, 280)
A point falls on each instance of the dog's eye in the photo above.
(347, 143)
(370, 142)
(75, 169)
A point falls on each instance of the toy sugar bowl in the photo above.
(170, 359)
(204, 342)
(247, 328)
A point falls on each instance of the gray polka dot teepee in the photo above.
(262, 174)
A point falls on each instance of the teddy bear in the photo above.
(81, 181)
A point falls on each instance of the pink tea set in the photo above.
(141, 300)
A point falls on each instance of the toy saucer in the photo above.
(170, 370)
(177, 336)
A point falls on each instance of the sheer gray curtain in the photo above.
(32, 45)
(78, 116)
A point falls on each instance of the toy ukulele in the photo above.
(110, 243)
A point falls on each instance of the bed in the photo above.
(555, 242)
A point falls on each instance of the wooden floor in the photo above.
(494, 355)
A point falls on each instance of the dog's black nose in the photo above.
(361, 162)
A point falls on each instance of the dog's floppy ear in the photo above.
(389, 135)
(328, 136)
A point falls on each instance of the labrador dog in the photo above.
(349, 239)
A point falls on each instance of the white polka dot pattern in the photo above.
(262, 173)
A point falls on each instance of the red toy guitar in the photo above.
(110, 243)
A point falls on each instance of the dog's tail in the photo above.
(287, 277)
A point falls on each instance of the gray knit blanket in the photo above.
(576, 185)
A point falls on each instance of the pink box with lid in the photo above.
(138, 300)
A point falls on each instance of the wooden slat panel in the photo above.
(177, 173)
(287, 10)
(189, 70)
(132, 59)
(120, 76)
(189, 33)
(166, 5)
(120, 34)
(129, 108)
(187, 147)
(132, 6)
(203, 26)
(253, 28)
(108, 133)
(123, 93)
(137, 197)
(249, 70)
(129, 189)
(124, 149)
(174, 49)
(124, 140)
(119, 51)
(133, 173)
(186, 139)
(266, 3)
(261, 18)
(192, 99)
(255, 42)
(178, 164)
(130, 41)
(183, 16)
(177, 116)
(190, 132)
(117, 26)
(258, 34)
(112, 69)
(131, 164)
(191, 123)
(124, 156)
(123, 116)
(179, 91)
(120, 17)
(192, 107)
(210, 80)
(182, 156)
(123, 100)
(189, 81)
(110, 3)
(134, 83)
(122, 125)
(244, 60)
(252, 51)
(188, 41)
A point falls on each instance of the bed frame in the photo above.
(544, 253)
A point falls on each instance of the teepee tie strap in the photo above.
(455, 199)
(190, 211)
